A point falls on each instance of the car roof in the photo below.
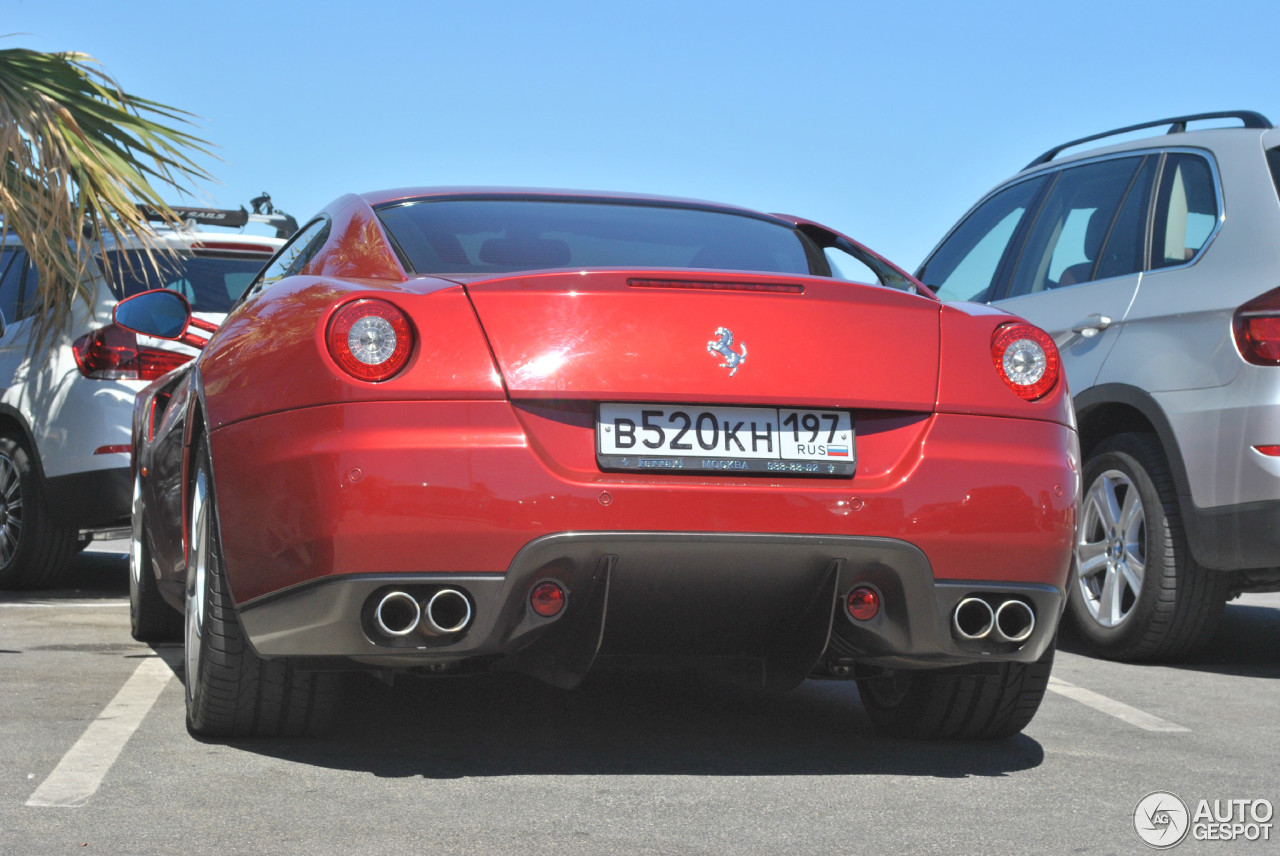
(381, 198)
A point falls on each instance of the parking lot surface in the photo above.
(97, 758)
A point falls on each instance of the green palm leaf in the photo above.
(79, 154)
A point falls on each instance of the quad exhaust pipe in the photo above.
(446, 612)
(1011, 621)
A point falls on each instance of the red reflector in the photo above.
(1270, 451)
(774, 287)
(863, 603)
(547, 599)
(113, 450)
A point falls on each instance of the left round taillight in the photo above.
(1026, 358)
(370, 339)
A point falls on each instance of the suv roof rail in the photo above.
(1177, 125)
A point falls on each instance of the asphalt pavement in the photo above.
(96, 758)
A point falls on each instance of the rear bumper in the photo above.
(462, 487)
(775, 602)
(98, 499)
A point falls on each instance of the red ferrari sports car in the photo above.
(449, 430)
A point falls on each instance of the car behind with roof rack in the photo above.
(1153, 263)
(66, 408)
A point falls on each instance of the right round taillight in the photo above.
(1026, 358)
(370, 339)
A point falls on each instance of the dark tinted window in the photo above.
(12, 261)
(211, 282)
(1066, 237)
(1186, 210)
(966, 265)
(19, 283)
(1124, 249)
(503, 235)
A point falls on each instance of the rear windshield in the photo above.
(479, 236)
(210, 281)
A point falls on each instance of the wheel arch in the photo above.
(14, 424)
(1115, 408)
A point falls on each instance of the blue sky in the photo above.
(885, 121)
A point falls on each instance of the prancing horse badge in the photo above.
(724, 347)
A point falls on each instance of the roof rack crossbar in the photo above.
(1177, 125)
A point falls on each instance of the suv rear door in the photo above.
(1072, 262)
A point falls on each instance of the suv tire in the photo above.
(1137, 593)
(35, 552)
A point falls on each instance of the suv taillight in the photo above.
(1257, 329)
(112, 353)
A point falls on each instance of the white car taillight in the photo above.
(370, 339)
(1026, 358)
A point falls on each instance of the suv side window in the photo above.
(965, 266)
(19, 281)
(1186, 210)
(12, 261)
(1066, 240)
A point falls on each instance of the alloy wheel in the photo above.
(10, 509)
(1111, 548)
(197, 570)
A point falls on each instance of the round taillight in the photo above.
(547, 599)
(1026, 358)
(370, 339)
(863, 603)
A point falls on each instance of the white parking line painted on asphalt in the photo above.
(1111, 707)
(80, 772)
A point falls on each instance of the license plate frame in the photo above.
(725, 439)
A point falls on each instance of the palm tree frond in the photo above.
(77, 154)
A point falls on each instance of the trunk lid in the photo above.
(700, 337)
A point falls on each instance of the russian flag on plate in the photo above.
(837, 451)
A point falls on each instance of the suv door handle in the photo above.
(1092, 326)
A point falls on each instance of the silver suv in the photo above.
(1154, 263)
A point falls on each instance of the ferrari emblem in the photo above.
(724, 347)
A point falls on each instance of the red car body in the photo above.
(476, 467)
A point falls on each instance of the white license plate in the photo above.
(782, 440)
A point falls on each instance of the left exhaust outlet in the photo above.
(397, 614)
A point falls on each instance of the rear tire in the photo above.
(231, 692)
(35, 552)
(949, 704)
(1137, 593)
(150, 618)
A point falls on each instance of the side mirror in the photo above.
(163, 314)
